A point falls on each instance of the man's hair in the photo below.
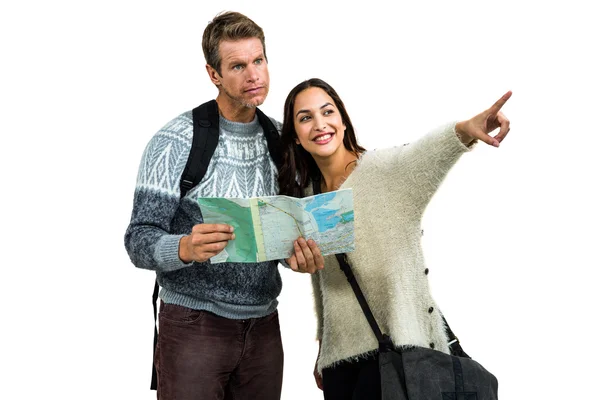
(228, 26)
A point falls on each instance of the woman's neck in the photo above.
(336, 169)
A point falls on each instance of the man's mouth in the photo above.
(253, 90)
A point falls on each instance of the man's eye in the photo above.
(238, 67)
(258, 61)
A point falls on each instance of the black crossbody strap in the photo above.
(385, 342)
(386, 346)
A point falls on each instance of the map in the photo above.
(266, 227)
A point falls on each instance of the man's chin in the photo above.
(255, 101)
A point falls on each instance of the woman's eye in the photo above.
(327, 112)
(304, 118)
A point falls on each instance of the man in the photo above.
(218, 326)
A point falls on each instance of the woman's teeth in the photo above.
(323, 138)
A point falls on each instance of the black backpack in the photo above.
(206, 137)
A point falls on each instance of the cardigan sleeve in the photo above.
(422, 166)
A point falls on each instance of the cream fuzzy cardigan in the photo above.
(391, 189)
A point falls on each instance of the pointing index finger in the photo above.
(498, 104)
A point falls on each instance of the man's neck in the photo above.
(235, 112)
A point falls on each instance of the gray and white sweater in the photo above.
(391, 189)
(240, 167)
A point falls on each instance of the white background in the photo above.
(511, 238)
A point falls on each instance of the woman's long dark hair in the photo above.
(299, 167)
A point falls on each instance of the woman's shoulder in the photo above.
(381, 155)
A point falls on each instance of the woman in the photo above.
(391, 189)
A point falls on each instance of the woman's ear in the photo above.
(297, 141)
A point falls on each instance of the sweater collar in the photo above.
(239, 128)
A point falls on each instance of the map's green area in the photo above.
(225, 211)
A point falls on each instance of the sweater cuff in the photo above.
(166, 254)
(460, 137)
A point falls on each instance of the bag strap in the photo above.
(272, 135)
(154, 381)
(205, 121)
(206, 138)
(385, 342)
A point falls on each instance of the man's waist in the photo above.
(222, 308)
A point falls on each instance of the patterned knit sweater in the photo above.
(391, 189)
(240, 167)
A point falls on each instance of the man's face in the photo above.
(244, 79)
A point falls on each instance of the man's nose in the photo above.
(252, 71)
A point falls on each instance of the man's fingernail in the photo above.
(232, 236)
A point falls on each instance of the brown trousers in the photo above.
(202, 356)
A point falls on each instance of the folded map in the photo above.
(266, 227)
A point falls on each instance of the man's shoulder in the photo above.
(181, 123)
(179, 129)
(175, 135)
(277, 124)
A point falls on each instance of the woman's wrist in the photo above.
(465, 139)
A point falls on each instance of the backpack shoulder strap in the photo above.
(204, 142)
(206, 137)
(272, 136)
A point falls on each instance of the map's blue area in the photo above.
(319, 201)
(326, 218)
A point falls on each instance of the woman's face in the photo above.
(318, 123)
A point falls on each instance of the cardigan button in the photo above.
(430, 310)
(432, 345)
(426, 271)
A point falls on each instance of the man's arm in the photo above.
(151, 239)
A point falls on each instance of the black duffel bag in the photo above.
(418, 373)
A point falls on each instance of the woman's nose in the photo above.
(319, 125)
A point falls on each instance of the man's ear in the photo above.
(213, 75)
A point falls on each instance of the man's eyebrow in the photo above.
(234, 61)
(320, 108)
